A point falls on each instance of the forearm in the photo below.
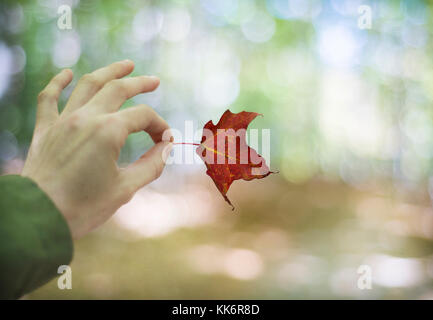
(34, 237)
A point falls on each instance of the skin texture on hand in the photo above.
(73, 155)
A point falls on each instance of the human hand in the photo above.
(73, 155)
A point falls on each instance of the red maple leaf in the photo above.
(227, 156)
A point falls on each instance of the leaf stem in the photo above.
(193, 144)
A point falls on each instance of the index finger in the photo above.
(143, 118)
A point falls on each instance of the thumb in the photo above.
(149, 167)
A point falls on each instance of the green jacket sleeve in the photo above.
(34, 237)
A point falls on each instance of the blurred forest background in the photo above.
(351, 123)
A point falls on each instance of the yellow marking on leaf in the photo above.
(217, 152)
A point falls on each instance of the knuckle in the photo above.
(117, 86)
(45, 95)
(147, 109)
(99, 123)
(100, 129)
(91, 80)
(74, 121)
(148, 112)
(112, 122)
(104, 132)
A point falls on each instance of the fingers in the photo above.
(116, 92)
(91, 83)
(148, 168)
(47, 111)
(143, 117)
